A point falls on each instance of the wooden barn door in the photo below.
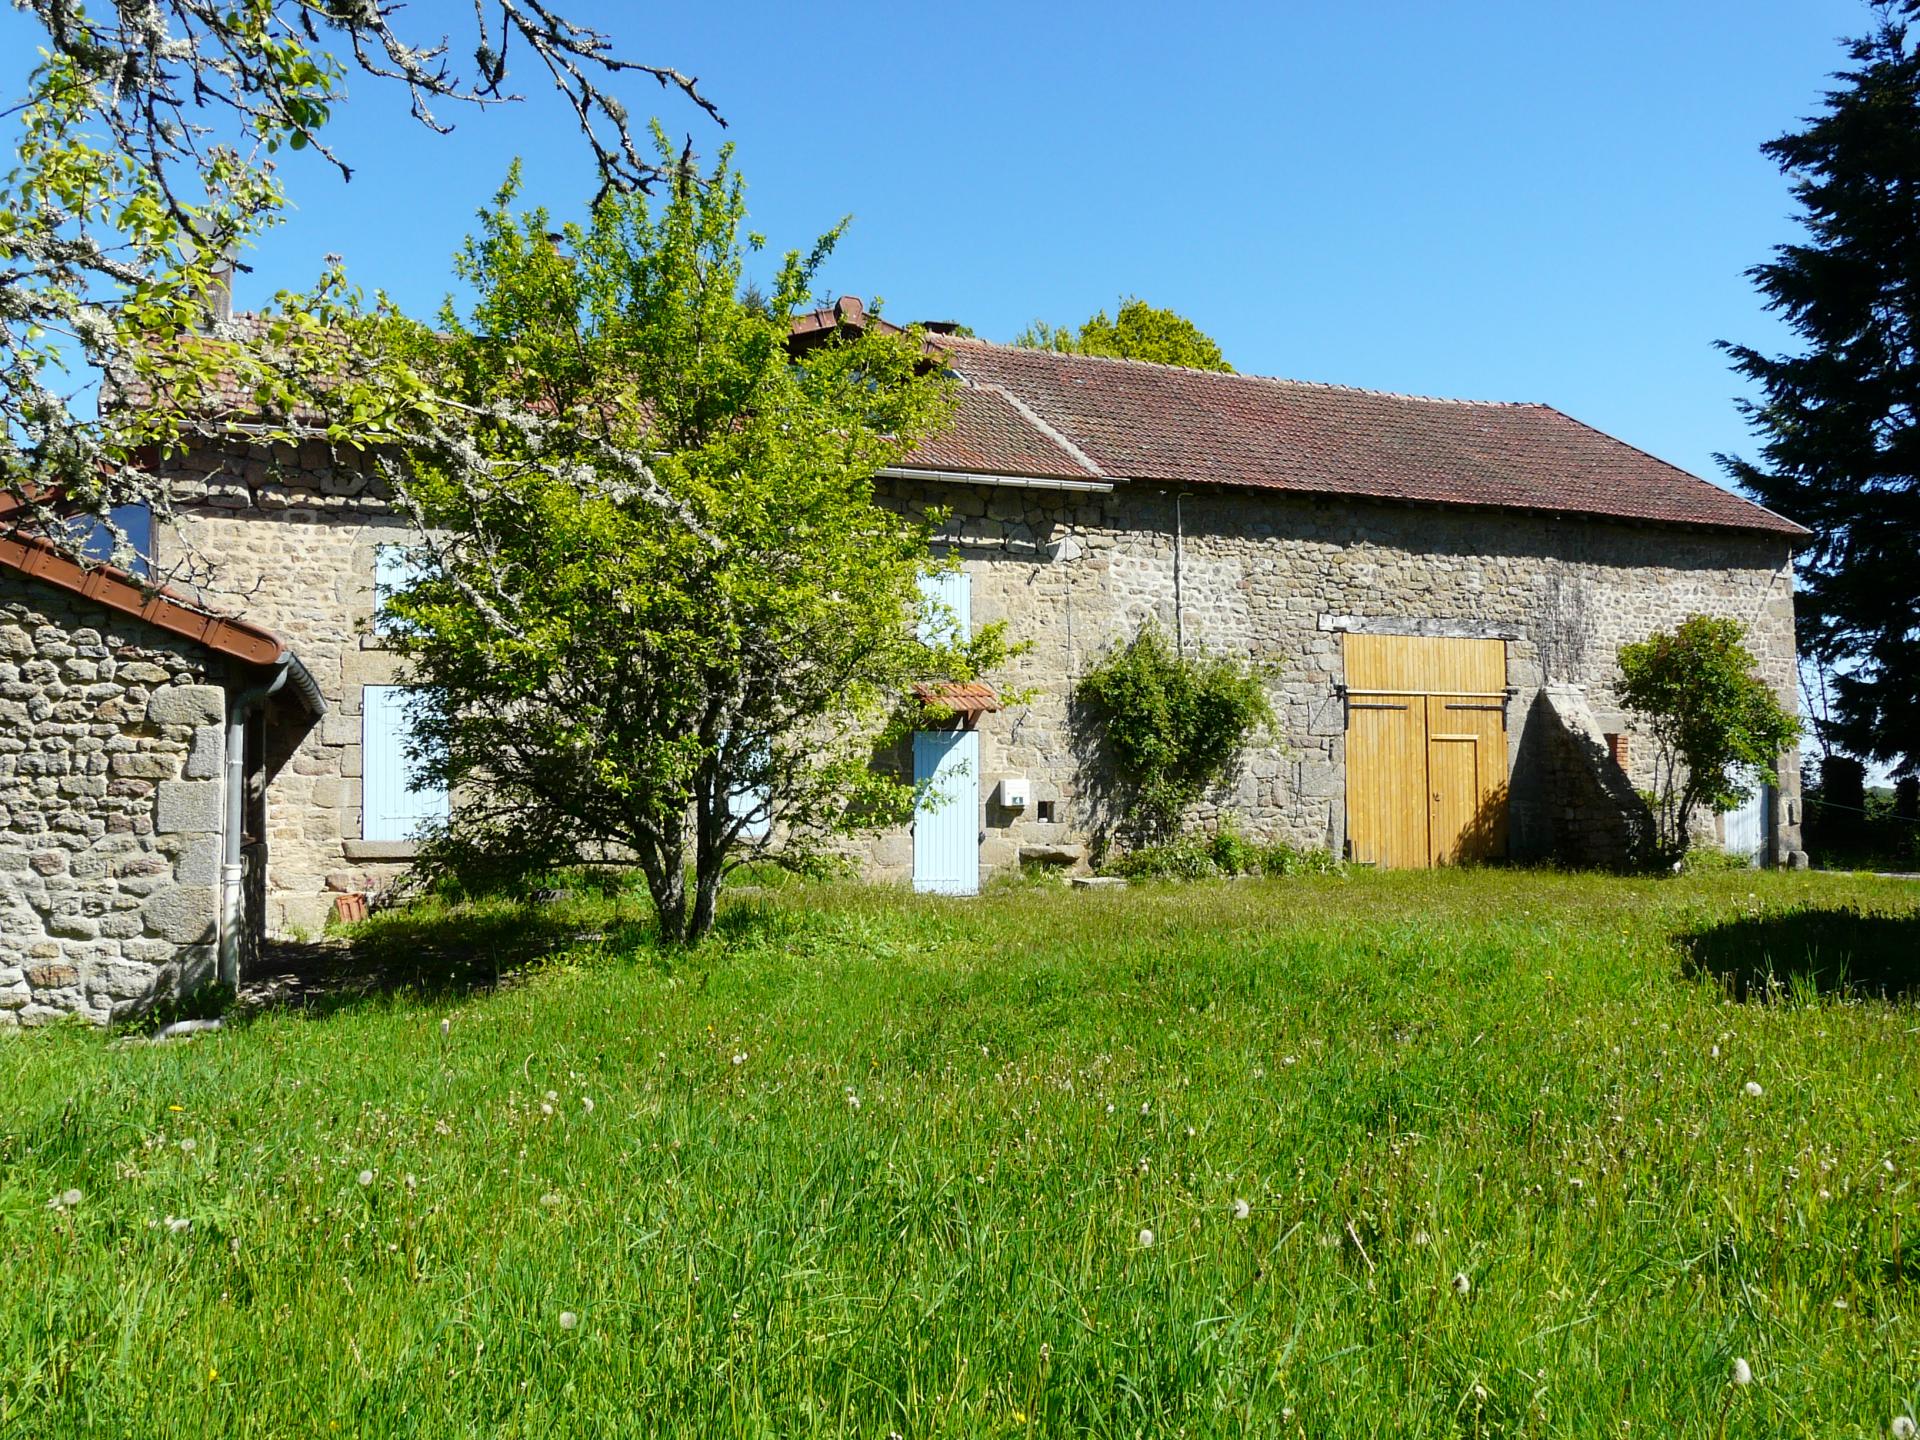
(1426, 750)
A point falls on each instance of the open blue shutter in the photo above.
(390, 808)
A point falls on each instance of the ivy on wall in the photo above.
(1171, 725)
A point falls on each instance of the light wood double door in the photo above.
(1426, 750)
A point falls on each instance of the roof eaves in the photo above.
(168, 610)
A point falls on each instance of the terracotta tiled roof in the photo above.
(989, 434)
(115, 589)
(963, 698)
(1163, 423)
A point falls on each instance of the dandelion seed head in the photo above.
(1241, 1210)
(1742, 1372)
(1903, 1428)
(365, 1177)
(1461, 1284)
(187, 1145)
(1146, 1108)
(1146, 1239)
(177, 1223)
(740, 1057)
(70, 1198)
(446, 1028)
(1752, 1087)
(553, 1095)
(550, 1199)
(568, 1319)
(545, 1108)
(586, 1103)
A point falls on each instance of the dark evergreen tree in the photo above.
(1839, 423)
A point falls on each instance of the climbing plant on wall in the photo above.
(1170, 725)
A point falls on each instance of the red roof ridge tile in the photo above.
(1026, 412)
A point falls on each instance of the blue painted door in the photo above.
(390, 808)
(1747, 828)
(946, 836)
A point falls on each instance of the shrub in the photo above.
(1171, 725)
(1713, 720)
(1225, 852)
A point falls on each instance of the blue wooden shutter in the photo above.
(390, 807)
(395, 567)
(946, 836)
(952, 589)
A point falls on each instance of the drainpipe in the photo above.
(232, 921)
(1179, 535)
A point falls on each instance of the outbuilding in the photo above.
(133, 783)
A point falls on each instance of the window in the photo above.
(391, 806)
(1045, 811)
(95, 540)
(951, 594)
(395, 567)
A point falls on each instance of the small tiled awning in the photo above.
(968, 699)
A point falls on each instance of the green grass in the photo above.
(1529, 1080)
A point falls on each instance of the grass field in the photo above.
(1436, 1154)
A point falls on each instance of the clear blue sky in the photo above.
(1529, 201)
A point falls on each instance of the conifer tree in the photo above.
(1839, 420)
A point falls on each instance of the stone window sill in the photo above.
(380, 849)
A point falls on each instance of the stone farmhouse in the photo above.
(1442, 584)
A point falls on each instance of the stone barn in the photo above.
(133, 786)
(1442, 584)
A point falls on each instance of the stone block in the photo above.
(188, 705)
(207, 753)
(52, 977)
(185, 914)
(198, 862)
(138, 765)
(188, 807)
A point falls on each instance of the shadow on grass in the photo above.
(424, 952)
(1832, 952)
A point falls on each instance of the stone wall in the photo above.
(1274, 576)
(112, 741)
(1280, 578)
(1574, 800)
(287, 539)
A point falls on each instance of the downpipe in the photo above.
(232, 887)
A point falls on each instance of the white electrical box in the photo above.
(1015, 793)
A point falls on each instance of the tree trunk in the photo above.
(711, 817)
(666, 870)
(706, 900)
